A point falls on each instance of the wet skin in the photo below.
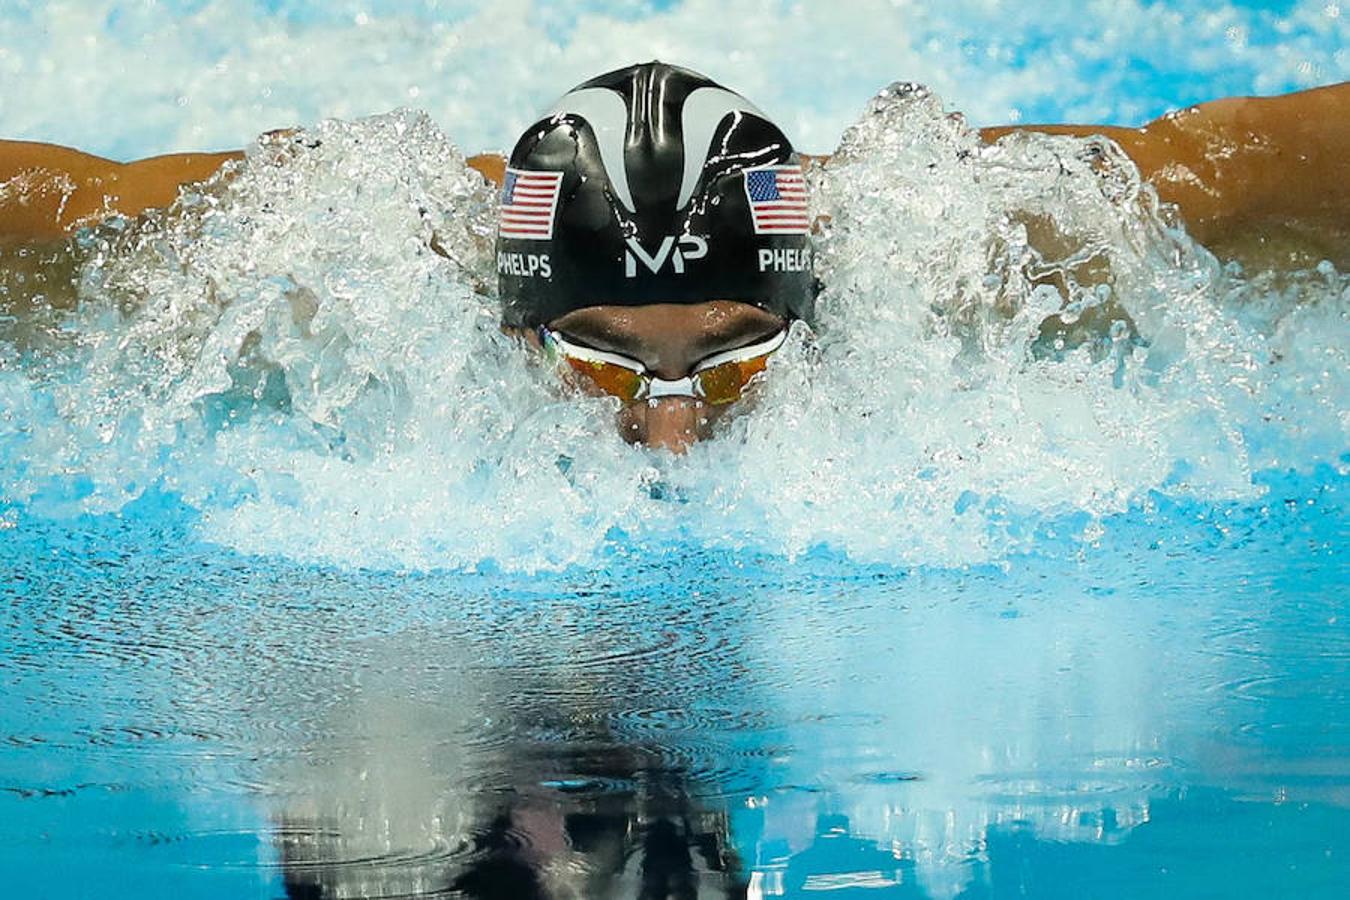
(670, 339)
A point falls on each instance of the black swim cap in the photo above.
(652, 184)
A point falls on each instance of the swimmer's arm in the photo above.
(1245, 165)
(47, 191)
(489, 165)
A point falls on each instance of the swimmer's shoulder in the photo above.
(47, 190)
(1244, 169)
(491, 166)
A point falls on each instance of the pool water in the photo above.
(1167, 713)
(1024, 575)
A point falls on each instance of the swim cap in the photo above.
(652, 184)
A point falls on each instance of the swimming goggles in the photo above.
(718, 379)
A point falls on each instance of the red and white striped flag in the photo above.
(529, 204)
(777, 196)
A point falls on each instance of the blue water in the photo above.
(313, 586)
(1167, 713)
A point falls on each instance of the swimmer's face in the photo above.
(670, 340)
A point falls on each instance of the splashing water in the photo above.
(1014, 341)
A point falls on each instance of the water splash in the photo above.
(1015, 341)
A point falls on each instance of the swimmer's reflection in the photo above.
(442, 773)
(619, 825)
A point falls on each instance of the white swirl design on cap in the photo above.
(704, 109)
(604, 110)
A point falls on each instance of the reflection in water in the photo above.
(718, 738)
(691, 726)
(836, 861)
(650, 842)
(768, 734)
(515, 785)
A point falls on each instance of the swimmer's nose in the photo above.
(670, 423)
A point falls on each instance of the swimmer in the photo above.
(654, 239)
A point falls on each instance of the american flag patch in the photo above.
(529, 203)
(777, 196)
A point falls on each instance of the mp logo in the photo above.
(675, 250)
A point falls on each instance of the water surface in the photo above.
(1168, 714)
(1024, 575)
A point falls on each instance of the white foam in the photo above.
(286, 350)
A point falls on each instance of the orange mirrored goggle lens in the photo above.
(726, 382)
(612, 379)
(718, 385)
